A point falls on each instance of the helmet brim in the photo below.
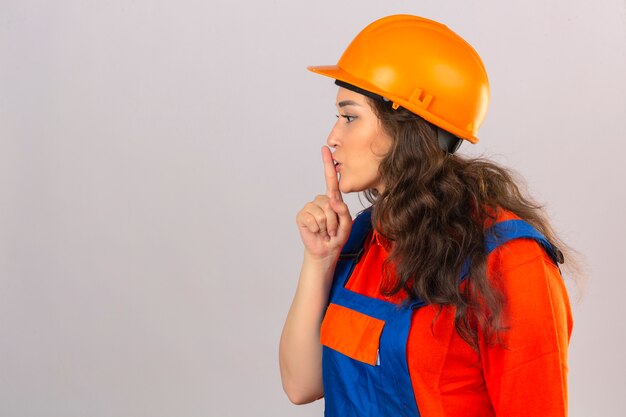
(335, 72)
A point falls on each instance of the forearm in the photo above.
(324, 226)
(300, 352)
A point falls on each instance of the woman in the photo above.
(444, 298)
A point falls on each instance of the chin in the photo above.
(351, 188)
(345, 188)
(362, 184)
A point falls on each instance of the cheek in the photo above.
(381, 145)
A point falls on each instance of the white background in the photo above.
(153, 155)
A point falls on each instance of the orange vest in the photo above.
(524, 375)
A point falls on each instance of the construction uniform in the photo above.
(388, 357)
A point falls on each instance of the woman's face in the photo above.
(359, 142)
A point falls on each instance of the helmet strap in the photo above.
(360, 90)
(447, 141)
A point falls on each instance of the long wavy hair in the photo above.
(433, 210)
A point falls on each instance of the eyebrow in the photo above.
(345, 103)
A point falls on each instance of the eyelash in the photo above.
(349, 119)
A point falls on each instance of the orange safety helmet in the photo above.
(421, 65)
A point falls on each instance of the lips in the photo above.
(337, 165)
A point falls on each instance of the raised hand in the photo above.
(325, 222)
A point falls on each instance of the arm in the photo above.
(527, 375)
(300, 352)
(324, 226)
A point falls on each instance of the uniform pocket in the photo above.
(354, 334)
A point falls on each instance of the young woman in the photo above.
(444, 298)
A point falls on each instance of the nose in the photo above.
(333, 136)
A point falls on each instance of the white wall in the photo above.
(153, 155)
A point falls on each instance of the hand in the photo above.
(325, 222)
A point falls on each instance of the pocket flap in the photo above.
(354, 334)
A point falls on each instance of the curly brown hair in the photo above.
(435, 206)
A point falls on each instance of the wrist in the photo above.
(320, 262)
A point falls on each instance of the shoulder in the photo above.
(523, 270)
(535, 295)
(516, 253)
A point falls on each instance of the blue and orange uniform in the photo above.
(384, 356)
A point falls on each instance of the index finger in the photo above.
(332, 183)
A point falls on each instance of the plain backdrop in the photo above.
(153, 156)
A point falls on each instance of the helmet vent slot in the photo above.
(415, 98)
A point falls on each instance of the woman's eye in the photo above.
(349, 119)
